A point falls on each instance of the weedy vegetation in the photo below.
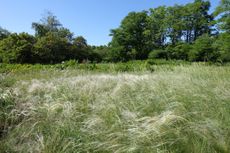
(124, 107)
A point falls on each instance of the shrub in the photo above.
(158, 54)
(51, 49)
(70, 63)
(202, 50)
(222, 45)
(179, 51)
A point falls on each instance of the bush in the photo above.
(101, 52)
(202, 50)
(51, 49)
(222, 45)
(158, 54)
(70, 63)
(180, 51)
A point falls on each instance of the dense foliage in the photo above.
(17, 48)
(181, 32)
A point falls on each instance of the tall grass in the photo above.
(180, 108)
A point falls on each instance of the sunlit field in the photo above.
(159, 109)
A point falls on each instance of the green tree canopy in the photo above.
(203, 49)
(48, 23)
(224, 11)
(51, 49)
(17, 48)
(222, 45)
(3, 33)
(132, 37)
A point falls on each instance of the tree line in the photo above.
(182, 32)
(52, 43)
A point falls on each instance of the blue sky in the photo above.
(92, 19)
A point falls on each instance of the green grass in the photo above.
(133, 107)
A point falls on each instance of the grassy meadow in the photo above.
(115, 108)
